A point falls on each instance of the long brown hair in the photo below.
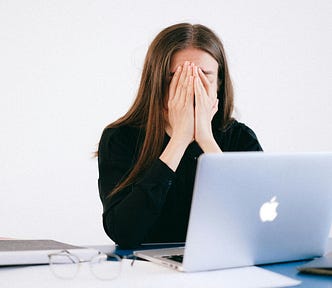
(147, 110)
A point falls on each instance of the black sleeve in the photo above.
(241, 138)
(130, 213)
(248, 140)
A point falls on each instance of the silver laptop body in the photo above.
(252, 208)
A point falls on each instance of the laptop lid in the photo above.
(257, 207)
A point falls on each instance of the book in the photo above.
(321, 265)
(32, 252)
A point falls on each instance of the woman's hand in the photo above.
(180, 115)
(181, 104)
(206, 105)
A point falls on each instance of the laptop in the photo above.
(252, 208)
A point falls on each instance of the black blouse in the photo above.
(156, 208)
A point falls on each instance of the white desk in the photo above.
(145, 274)
(142, 274)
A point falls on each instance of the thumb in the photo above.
(215, 107)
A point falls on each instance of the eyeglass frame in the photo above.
(71, 256)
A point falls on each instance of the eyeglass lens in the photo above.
(106, 267)
(64, 265)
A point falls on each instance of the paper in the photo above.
(147, 275)
(236, 278)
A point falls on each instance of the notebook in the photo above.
(35, 251)
(251, 208)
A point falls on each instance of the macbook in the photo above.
(251, 208)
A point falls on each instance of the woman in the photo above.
(147, 158)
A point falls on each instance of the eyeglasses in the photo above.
(65, 265)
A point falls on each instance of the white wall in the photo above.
(68, 68)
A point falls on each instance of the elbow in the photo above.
(124, 237)
(128, 244)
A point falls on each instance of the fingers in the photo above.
(190, 91)
(187, 89)
(178, 80)
(204, 98)
(198, 85)
(188, 82)
(183, 75)
(185, 86)
(209, 87)
(197, 88)
(174, 82)
(204, 80)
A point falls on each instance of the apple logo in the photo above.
(268, 211)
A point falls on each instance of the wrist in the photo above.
(181, 140)
(209, 145)
(173, 153)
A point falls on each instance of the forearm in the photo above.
(130, 214)
(173, 152)
(128, 223)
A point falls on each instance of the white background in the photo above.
(68, 68)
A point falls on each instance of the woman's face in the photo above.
(201, 59)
